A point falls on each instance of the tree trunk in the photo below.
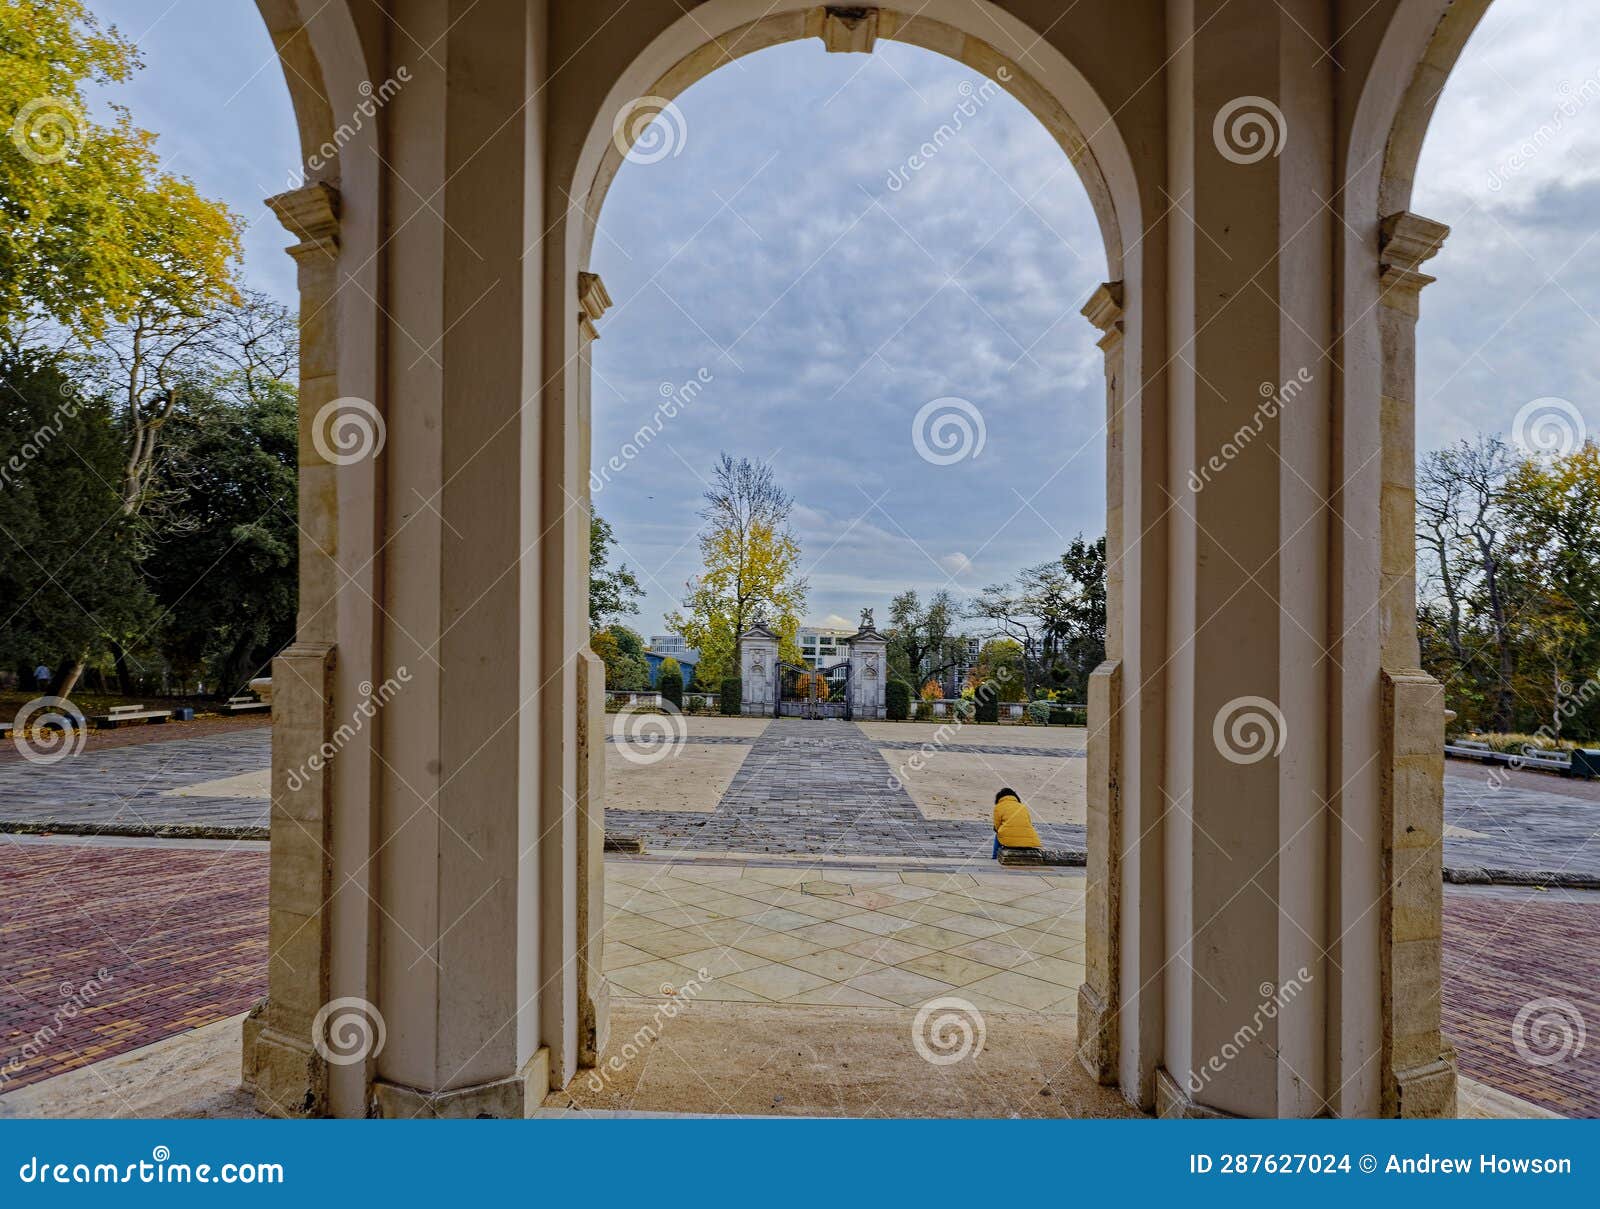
(124, 673)
(68, 671)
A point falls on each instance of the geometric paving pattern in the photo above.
(845, 938)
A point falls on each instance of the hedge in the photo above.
(897, 700)
(988, 706)
(732, 695)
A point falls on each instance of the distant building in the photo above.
(655, 659)
(674, 645)
(822, 647)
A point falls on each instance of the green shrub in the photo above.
(897, 700)
(669, 682)
(1039, 713)
(732, 693)
(965, 710)
(1068, 715)
(924, 711)
(697, 705)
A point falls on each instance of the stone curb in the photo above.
(157, 831)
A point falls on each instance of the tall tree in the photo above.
(749, 569)
(924, 638)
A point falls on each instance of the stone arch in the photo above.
(1069, 106)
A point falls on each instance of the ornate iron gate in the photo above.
(806, 693)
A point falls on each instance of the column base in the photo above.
(1174, 1104)
(288, 1077)
(594, 1024)
(512, 1098)
(1427, 1091)
(1097, 1036)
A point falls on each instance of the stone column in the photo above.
(1418, 1065)
(869, 670)
(279, 1061)
(1244, 850)
(594, 998)
(1099, 996)
(758, 671)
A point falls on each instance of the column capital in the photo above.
(1405, 240)
(1104, 310)
(593, 301)
(846, 30)
(311, 213)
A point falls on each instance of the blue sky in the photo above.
(825, 309)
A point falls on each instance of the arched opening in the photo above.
(1502, 424)
(657, 121)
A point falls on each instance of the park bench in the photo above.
(129, 713)
(245, 705)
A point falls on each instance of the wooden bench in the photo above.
(129, 713)
(245, 705)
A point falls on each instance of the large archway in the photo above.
(1047, 85)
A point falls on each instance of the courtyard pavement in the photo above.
(144, 943)
(798, 787)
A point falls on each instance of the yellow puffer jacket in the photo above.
(1013, 825)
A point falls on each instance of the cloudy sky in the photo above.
(825, 309)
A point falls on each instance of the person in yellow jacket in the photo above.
(1013, 825)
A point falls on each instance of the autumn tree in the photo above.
(924, 638)
(749, 569)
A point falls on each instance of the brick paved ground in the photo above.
(1506, 950)
(132, 784)
(180, 936)
(819, 787)
(139, 735)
